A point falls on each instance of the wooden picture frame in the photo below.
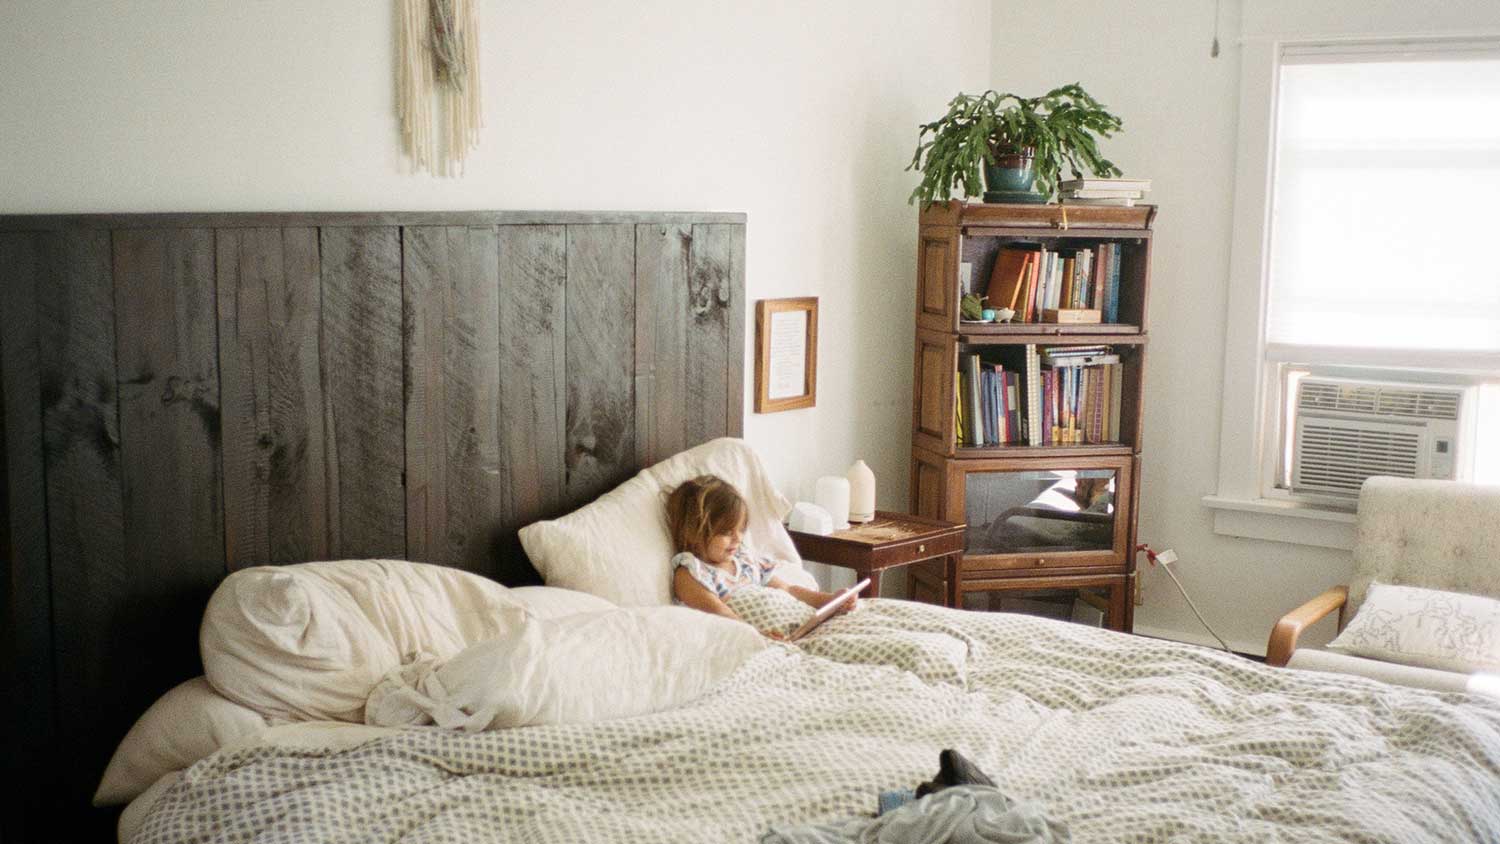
(786, 354)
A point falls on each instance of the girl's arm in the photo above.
(811, 597)
(689, 591)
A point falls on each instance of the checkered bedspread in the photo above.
(1123, 739)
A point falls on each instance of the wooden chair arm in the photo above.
(1284, 634)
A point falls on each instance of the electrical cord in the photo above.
(1166, 558)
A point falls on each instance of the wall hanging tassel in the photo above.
(438, 83)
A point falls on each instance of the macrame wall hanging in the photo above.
(438, 100)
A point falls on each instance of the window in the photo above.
(1377, 262)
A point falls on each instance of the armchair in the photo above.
(1433, 534)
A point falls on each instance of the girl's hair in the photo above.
(702, 508)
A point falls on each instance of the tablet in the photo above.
(827, 610)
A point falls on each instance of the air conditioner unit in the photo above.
(1348, 429)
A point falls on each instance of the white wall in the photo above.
(1150, 63)
(801, 114)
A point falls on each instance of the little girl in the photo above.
(707, 518)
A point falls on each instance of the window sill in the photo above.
(1282, 521)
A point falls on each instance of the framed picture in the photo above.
(786, 354)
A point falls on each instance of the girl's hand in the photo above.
(847, 606)
(774, 635)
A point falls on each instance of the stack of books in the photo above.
(1102, 191)
(1023, 395)
(1069, 285)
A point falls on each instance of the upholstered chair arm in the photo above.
(1284, 634)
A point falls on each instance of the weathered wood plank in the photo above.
(298, 482)
(144, 606)
(705, 394)
(274, 500)
(245, 260)
(600, 359)
(360, 338)
(734, 370)
(451, 321)
(662, 258)
(533, 388)
(27, 264)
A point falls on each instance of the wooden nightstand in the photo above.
(890, 541)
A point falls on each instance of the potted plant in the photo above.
(1019, 144)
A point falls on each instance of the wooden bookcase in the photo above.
(1044, 521)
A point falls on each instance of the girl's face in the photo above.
(721, 546)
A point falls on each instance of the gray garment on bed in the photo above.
(962, 814)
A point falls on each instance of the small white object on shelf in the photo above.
(861, 492)
(807, 517)
(832, 494)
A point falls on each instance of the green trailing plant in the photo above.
(1061, 126)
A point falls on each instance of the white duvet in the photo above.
(1120, 738)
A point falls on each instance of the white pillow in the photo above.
(571, 670)
(618, 547)
(307, 642)
(1426, 627)
(553, 602)
(186, 724)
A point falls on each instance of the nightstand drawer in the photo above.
(911, 552)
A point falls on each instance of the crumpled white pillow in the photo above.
(186, 724)
(308, 642)
(573, 669)
(618, 547)
(1430, 628)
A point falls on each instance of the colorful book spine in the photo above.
(1112, 306)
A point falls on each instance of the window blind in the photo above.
(1385, 219)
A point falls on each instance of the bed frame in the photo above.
(185, 395)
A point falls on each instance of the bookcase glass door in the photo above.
(1040, 511)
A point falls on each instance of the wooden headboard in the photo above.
(189, 394)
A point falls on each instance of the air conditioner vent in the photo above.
(1336, 459)
(1378, 400)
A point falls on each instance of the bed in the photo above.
(190, 397)
(1117, 738)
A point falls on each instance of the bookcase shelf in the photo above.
(1052, 335)
(958, 247)
(1081, 450)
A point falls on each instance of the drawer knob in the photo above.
(1040, 560)
(921, 549)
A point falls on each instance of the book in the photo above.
(986, 408)
(826, 611)
(1012, 409)
(1101, 272)
(1117, 393)
(1009, 277)
(958, 408)
(1072, 316)
(1066, 294)
(1090, 359)
(970, 363)
(1102, 194)
(1126, 202)
(1112, 305)
(1033, 396)
(1105, 184)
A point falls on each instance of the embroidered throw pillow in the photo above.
(1426, 627)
